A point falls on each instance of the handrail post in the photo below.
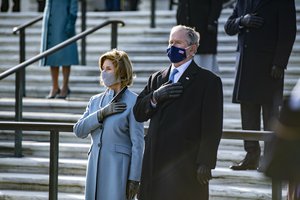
(53, 166)
(114, 33)
(83, 27)
(171, 2)
(152, 14)
(22, 49)
(18, 112)
(276, 189)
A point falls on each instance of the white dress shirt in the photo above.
(181, 70)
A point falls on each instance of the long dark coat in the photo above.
(57, 15)
(198, 14)
(260, 49)
(183, 133)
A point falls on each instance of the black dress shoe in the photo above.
(54, 95)
(250, 162)
(64, 97)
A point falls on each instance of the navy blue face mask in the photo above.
(176, 54)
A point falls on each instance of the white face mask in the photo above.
(109, 79)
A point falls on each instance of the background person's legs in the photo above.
(269, 113)
(16, 6)
(4, 5)
(65, 91)
(55, 86)
(250, 116)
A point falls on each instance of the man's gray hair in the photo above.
(193, 37)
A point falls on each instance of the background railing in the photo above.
(18, 69)
(56, 128)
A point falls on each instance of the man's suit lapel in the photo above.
(185, 79)
(163, 77)
(188, 75)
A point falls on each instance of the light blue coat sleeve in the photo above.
(87, 122)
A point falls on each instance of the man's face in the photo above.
(178, 39)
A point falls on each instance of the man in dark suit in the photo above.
(266, 32)
(203, 15)
(186, 118)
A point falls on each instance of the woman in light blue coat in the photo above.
(117, 139)
(59, 25)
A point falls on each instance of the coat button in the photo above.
(99, 144)
(101, 126)
(247, 31)
(245, 46)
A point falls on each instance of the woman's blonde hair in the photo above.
(122, 64)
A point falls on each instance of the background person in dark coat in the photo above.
(266, 32)
(283, 162)
(186, 119)
(203, 15)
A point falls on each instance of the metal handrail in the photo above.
(22, 45)
(63, 44)
(27, 24)
(21, 67)
(55, 128)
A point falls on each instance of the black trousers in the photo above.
(41, 5)
(251, 120)
(5, 5)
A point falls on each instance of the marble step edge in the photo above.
(216, 192)
(250, 178)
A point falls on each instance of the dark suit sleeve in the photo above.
(143, 109)
(232, 25)
(286, 32)
(212, 123)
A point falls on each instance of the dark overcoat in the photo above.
(59, 25)
(259, 49)
(183, 133)
(198, 14)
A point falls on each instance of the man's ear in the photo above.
(194, 49)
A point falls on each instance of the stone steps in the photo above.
(216, 193)
(36, 195)
(230, 123)
(68, 107)
(72, 148)
(229, 150)
(85, 83)
(235, 188)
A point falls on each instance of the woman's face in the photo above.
(109, 75)
(108, 66)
